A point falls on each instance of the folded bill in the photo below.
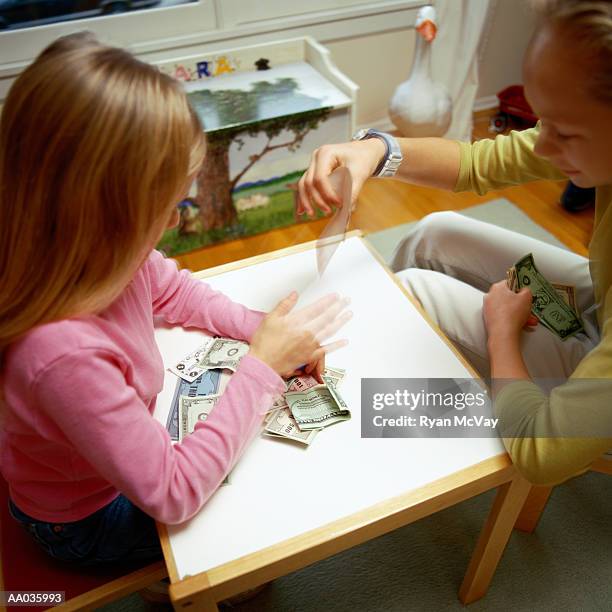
(317, 407)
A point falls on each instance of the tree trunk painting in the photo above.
(214, 195)
(229, 115)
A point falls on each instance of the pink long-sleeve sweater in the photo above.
(79, 397)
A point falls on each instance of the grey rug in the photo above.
(565, 565)
(499, 212)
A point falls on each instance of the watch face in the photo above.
(359, 134)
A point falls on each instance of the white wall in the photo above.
(374, 49)
(378, 63)
(512, 24)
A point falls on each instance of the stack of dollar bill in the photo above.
(299, 414)
(553, 304)
(307, 407)
(304, 409)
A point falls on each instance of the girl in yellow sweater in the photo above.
(455, 265)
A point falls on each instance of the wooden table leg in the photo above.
(532, 508)
(493, 538)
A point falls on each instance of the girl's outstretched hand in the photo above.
(288, 339)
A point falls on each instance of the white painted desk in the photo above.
(288, 506)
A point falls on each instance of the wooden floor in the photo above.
(384, 203)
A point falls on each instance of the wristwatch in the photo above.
(393, 157)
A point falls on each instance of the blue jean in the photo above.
(119, 532)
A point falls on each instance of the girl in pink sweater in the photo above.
(96, 149)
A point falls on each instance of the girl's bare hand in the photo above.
(288, 339)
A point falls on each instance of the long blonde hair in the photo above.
(95, 147)
(590, 24)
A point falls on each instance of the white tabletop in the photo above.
(279, 489)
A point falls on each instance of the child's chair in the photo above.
(520, 505)
(25, 567)
(538, 496)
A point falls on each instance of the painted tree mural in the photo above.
(232, 114)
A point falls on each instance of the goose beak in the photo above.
(427, 29)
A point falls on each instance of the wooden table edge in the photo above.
(271, 255)
(279, 559)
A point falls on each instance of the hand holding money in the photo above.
(505, 312)
(288, 339)
(554, 305)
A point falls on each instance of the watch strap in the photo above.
(393, 156)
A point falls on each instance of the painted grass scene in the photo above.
(259, 208)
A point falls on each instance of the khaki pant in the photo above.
(448, 262)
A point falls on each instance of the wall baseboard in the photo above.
(486, 103)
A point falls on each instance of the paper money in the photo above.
(225, 353)
(568, 294)
(317, 407)
(281, 424)
(189, 367)
(305, 382)
(330, 382)
(208, 383)
(552, 310)
(215, 353)
(279, 403)
(193, 410)
(336, 373)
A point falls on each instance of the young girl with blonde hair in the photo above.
(453, 264)
(96, 150)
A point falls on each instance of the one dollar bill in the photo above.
(214, 354)
(281, 424)
(551, 309)
(194, 410)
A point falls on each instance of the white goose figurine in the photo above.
(419, 107)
